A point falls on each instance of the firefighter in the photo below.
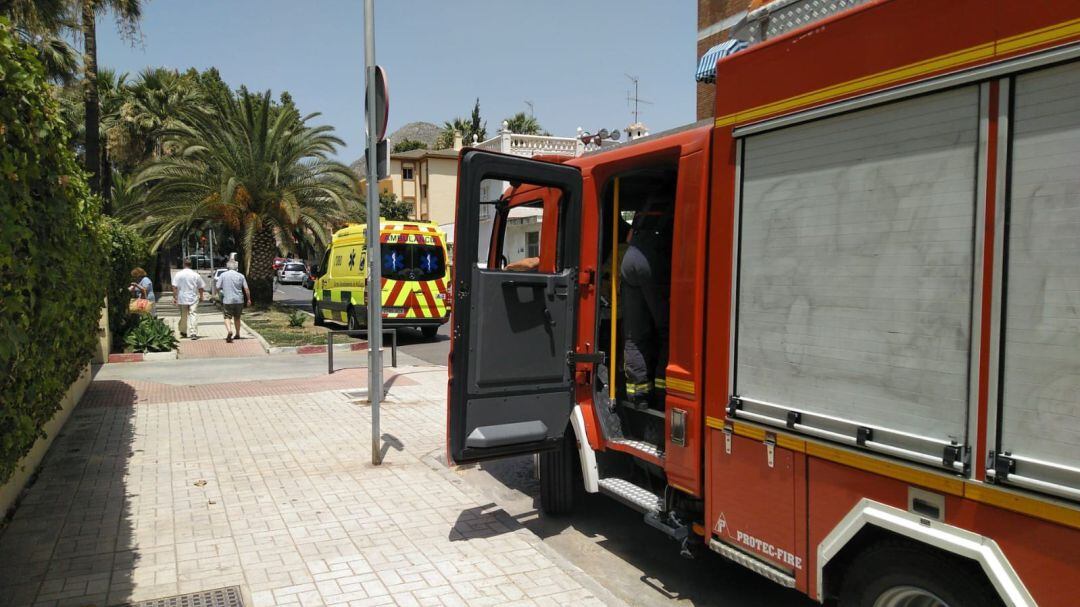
(645, 276)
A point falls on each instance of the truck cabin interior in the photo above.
(525, 228)
(636, 212)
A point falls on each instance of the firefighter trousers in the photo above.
(644, 309)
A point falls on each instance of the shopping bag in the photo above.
(139, 306)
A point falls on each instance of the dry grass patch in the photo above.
(273, 323)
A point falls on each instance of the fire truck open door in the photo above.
(511, 377)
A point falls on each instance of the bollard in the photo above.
(330, 347)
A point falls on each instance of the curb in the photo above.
(138, 357)
(316, 349)
(265, 346)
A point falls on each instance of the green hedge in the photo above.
(51, 260)
(125, 250)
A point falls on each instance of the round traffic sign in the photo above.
(382, 103)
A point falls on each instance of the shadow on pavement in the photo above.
(482, 522)
(388, 441)
(707, 579)
(72, 537)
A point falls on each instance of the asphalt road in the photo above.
(410, 341)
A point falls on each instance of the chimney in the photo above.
(457, 140)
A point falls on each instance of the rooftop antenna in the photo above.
(530, 104)
(634, 98)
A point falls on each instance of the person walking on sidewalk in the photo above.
(234, 293)
(188, 288)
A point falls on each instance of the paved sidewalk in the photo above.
(152, 491)
(212, 333)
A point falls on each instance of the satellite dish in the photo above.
(614, 136)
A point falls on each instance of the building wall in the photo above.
(442, 189)
(715, 17)
(412, 190)
(516, 237)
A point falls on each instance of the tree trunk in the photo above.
(260, 271)
(106, 181)
(90, 72)
(162, 273)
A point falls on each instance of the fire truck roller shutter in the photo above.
(855, 273)
(1041, 357)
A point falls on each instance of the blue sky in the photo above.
(568, 57)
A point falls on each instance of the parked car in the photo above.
(292, 272)
(199, 262)
(279, 262)
(309, 280)
(213, 279)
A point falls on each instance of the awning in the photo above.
(706, 69)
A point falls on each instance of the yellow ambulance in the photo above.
(415, 277)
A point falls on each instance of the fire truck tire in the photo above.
(319, 320)
(429, 332)
(896, 573)
(557, 475)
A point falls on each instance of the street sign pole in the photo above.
(374, 287)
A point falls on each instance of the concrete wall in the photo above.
(9, 492)
(104, 342)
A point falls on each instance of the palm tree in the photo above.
(41, 23)
(524, 124)
(256, 167)
(150, 105)
(127, 14)
(468, 128)
(457, 126)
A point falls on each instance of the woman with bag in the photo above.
(142, 292)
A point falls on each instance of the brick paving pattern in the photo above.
(127, 392)
(219, 348)
(171, 491)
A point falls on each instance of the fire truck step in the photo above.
(648, 449)
(638, 498)
(647, 411)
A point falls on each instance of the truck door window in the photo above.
(526, 232)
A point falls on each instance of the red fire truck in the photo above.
(873, 380)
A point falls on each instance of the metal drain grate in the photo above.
(219, 597)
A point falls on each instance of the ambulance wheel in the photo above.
(429, 332)
(558, 476)
(900, 573)
(355, 324)
(319, 321)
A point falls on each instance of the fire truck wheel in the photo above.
(319, 321)
(900, 573)
(429, 332)
(557, 476)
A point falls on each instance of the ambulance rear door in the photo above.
(513, 332)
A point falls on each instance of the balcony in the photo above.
(528, 146)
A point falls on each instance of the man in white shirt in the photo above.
(188, 288)
(234, 292)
